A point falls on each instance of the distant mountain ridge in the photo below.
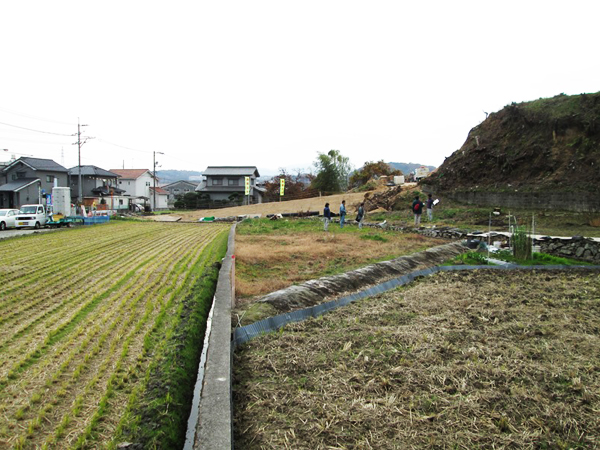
(171, 176)
(407, 168)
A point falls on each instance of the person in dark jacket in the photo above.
(417, 209)
(327, 215)
(361, 215)
(430, 208)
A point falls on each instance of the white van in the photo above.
(33, 216)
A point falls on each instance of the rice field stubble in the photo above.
(83, 321)
(477, 359)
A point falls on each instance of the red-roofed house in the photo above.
(137, 183)
(162, 197)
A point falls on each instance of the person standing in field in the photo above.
(327, 215)
(430, 208)
(417, 209)
(361, 215)
(342, 213)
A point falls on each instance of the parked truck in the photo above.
(421, 172)
(33, 216)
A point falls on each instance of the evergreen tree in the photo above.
(333, 170)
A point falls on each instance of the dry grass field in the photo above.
(288, 206)
(89, 319)
(458, 360)
(272, 255)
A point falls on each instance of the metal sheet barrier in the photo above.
(270, 324)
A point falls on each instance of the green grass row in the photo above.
(475, 258)
(157, 413)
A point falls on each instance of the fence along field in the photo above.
(95, 326)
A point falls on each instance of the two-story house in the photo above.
(223, 182)
(99, 187)
(30, 180)
(95, 182)
(180, 187)
(137, 183)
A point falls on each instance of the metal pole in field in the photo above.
(80, 187)
(154, 177)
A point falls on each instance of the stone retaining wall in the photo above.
(563, 201)
(438, 232)
(577, 248)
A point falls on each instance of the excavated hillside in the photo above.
(547, 145)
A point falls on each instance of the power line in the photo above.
(122, 146)
(28, 141)
(34, 117)
(36, 131)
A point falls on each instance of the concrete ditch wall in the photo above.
(213, 427)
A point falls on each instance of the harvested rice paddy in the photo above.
(92, 323)
(458, 360)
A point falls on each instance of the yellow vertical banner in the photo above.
(247, 183)
(281, 186)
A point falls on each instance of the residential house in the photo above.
(180, 187)
(95, 182)
(30, 180)
(99, 186)
(137, 183)
(161, 198)
(225, 182)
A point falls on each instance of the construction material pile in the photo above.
(387, 199)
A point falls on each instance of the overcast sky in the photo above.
(272, 83)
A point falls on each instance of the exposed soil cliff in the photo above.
(546, 145)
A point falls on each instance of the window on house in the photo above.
(147, 183)
(234, 182)
(50, 178)
(21, 174)
(217, 181)
(120, 202)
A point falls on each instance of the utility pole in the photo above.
(79, 186)
(154, 176)
(79, 144)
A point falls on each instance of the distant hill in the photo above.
(407, 168)
(170, 176)
(543, 146)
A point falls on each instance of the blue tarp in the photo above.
(96, 219)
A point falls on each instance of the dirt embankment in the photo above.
(316, 291)
(546, 145)
(291, 206)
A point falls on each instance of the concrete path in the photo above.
(506, 234)
(11, 233)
